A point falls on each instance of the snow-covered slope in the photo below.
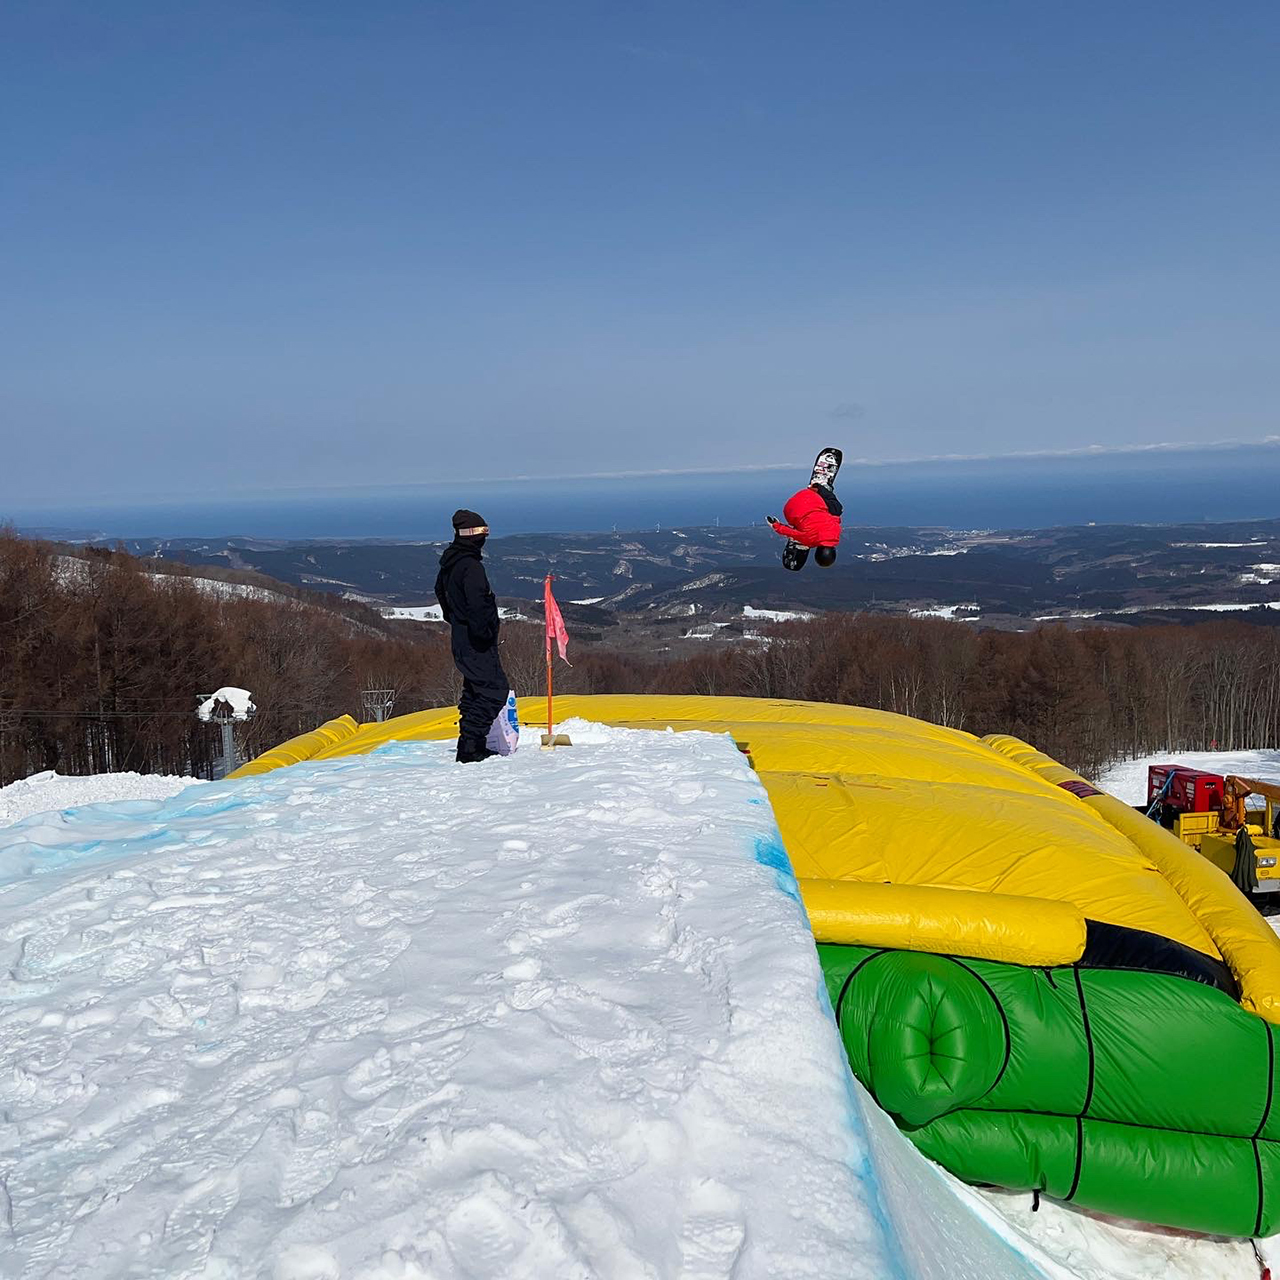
(557, 1015)
(1127, 779)
(73, 569)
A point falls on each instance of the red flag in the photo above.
(555, 624)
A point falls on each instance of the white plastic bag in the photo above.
(504, 735)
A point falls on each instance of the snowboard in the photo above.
(826, 466)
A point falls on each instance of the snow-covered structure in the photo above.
(386, 1017)
(236, 704)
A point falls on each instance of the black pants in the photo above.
(484, 686)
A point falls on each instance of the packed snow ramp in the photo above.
(385, 1016)
(1045, 990)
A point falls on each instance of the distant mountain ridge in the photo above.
(1115, 572)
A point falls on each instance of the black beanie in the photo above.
(469, 520)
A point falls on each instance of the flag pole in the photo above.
(550, 723)
(555, 630)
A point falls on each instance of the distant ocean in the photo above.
(1156, 487)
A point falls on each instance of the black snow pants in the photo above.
(484, 686)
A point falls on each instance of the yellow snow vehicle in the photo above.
(1212, 813)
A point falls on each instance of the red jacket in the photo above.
(808, 521)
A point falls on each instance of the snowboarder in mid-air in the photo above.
(812, 516)
(469, 606)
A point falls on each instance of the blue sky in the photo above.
(259, 244)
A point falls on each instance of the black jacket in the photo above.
(462, 587)
(828, 495)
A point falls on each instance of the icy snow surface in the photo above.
(49, 792)
(554, 1015)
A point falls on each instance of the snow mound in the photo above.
(554, 1015)
(49, 792)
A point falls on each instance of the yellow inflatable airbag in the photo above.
(1241, 935)
(306, 746)
(983, 926)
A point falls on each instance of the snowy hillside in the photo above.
(433, 613)
(72, 569)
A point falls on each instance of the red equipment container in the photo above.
(1189, 790)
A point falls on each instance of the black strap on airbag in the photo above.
(1114, 946)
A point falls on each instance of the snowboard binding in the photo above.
(794, 555)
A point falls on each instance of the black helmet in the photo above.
(825, 556)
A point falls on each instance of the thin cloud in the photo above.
(1087, 450)
(749, 468)
(1079, 451)
(847, 412)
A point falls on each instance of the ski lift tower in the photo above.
(226, 708)
(378, 704)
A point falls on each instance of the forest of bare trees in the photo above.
(101, 662)
(1086, 697)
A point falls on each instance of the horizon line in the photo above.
(1088, 450)
(1076, 451)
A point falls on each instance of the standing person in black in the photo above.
(462, 587)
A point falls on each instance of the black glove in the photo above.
(771, 519)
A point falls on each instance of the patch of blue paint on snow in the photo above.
(861, 1166)
(206, 807)
(770, 852)
(422, 749)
